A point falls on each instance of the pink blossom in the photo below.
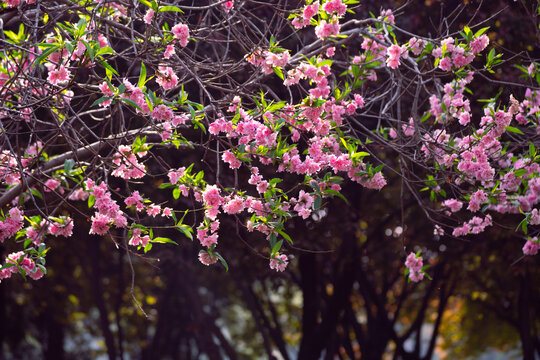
(162, 113)
(148, 17)
(51, 185)
(331, 51)
(211, 196)
(153, 210)
(531, 247)
(59, 75)
(230, 159)
(100, 224)
(175, 175)
(335, 6)
(166, 77)
(324, 29)
(479, 44)
(234, 206)
(62, 229)
(204, 257)
(453, 204)
(279, 262)
(169, 52)
(181, 32)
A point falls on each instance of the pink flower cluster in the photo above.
(394, 52)
(303, 204)
(20, 260)
(61, 228)
(416, 45)
(15, 3)
(326, 29)
(267, 60)
(455, 56)
(207, 234)
(532, 246)
(474, 226)
(136, 238)
(335, 6)
(181, 32)
(59, 75)
(279, 262)
(12, 224)
(136, 95)
(415, 263)
(128, 164)
(136, 200)
(108, 212)
(308, 12)
(213, 200)
(166, 77)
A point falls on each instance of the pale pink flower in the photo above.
(148, 17)
(204, 257)
(279, 262)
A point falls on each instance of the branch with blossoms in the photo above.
(106, 103)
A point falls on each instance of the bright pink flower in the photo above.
(181, 32)
(479, 44)
(324, 29)
(100, 224)
(162, 113)
(169, 52)
(167, 212)
(211, 196)
(51, 185)
(227, 5)
(59, 75)
(234, 206)
(153, 210)
(166, 77)
(531, 247)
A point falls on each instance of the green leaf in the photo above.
(108, 67)
(147, 3)
(148, 247)
(89, 49)
(278, 72)
(142, 76)
(514, 130)
(91, 200)
(222, 261)
(520, 172)
(276, 248)
(176, 193)
(131, 102)
(35, 192)
(68, 165)
(171, 8)
(27, 242)
(45, 54)
(287, 237)
(317, 203)
(480, 32)
(334, 192)
(186, 230)
(164, 240)
(100, 100)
